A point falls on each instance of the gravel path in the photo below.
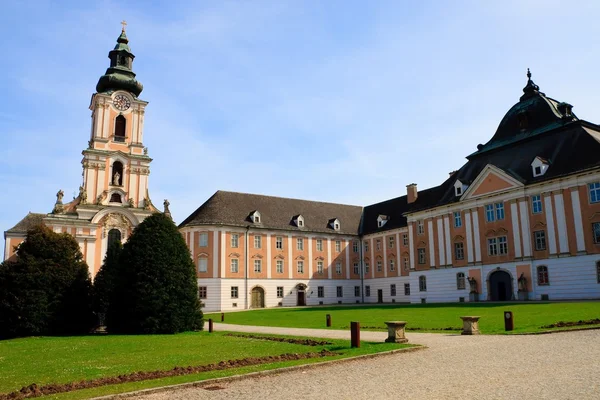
(561, 365)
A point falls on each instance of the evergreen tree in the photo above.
(47, 289)
(105, 279)
(155, 287)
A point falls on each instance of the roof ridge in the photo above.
(288, 198)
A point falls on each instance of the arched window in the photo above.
(542, 273)
(114, 237)
(117, 174)
(460, 281)
(422, 283)
(115, 198)
(120, 124)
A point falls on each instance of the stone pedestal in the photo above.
(470, 325)
(523, 296)
(396, 332)
(473, 297)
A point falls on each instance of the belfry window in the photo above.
(115, 198)
(120, 124)
(117, 174)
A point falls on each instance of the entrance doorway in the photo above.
(301, 294)
(380, 295)
(258, 297)
(501, 286)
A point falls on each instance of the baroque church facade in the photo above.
(520, 220)
(113, 197)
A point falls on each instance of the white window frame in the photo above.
(421, 255)
(235, 292)
(300, 266)
(379, 266)
(202, 292)
(338, 246)
(234, 265)
(537, 206)
(422, 283)
(338, 268)
(457, 219)
(459, 247)
(257, 241)
(355, 246)
(356, 268)
(279, 266)
(203, 240)
(392, 265)
(460, 281)
(258, 266)
(279, 292)
(279, 242)
(420, 227)
(405, 239)
(300, 244)
(539, 239)
(320, 267)
(594, 192)
(235, 240)
(202, 260)
(391, 242)
(319, 244)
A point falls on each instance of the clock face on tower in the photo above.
(121, 102)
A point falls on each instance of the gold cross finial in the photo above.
(124, 23)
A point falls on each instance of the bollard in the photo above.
(328, 320)
(509, 322)
(222, 316)
(210, 325)
(354, 334)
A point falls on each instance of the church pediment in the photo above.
(491, 180)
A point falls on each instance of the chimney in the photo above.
(411, 193)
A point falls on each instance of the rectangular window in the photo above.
(392, 265)
(539, 238)
(598, 270)
(319, 244)
(338, 268)
(407, 289)
(596, 231)
(355, 269)
(422, 284)
(320, 267)
(279, 266)
(202, 292)
(204, 240)
(355, 246)
(543, 278)
(391, 242)
(421, 253)
(234, 265)
(460, 281)
(300, 244)
(234, 292)
(339, 291)
(366, 243)
(257, 265)
(338, 246)
(320, 291)
(489, 213)
(536, 204)
(300, 267)
(492, 247)
(367, 291)
(378, 244)
(457, 219)
(235, 240)
(405, 239)
(366, 268)
(279, 243)
(280, 292)
(202, 264)
(392, 290)
(379, 266)
(499, 211)
(406, 262)
(459, 251)
(594, 189)
(502, 245)
(356, 291)
(420, 227)
(497, 246)
(257, 242)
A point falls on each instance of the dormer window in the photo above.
(299, 221)
(382, 220)
(335, 224)
(459, 188)
(539, 166)
(255, 217)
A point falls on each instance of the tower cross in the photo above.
(124, 23)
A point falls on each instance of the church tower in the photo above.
(113, 197)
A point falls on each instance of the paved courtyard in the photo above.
(561, 365)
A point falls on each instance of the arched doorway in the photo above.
(258, 297)
(501, 286)
(301, 290)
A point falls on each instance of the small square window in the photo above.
(280, 292)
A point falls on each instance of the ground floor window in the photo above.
(460, 281)
(320, 291)
(596, 230)
(407, 289)
(367, 291)
(340, 291)
(542, 272)
(202, 292)
(422, 283)
(357, 291)
(234, 292)
(280, 291)
(392, 290)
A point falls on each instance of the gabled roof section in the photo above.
(232, 209)
(491, 180)
(31, 220)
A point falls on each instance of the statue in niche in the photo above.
(82, 195)
(522, 283)
(116, 179)
(472, 285)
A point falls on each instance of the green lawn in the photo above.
(44, 360)
(528, 317)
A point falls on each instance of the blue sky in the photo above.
(342, 101)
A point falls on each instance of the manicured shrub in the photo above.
(155, 289)
(47, 289)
